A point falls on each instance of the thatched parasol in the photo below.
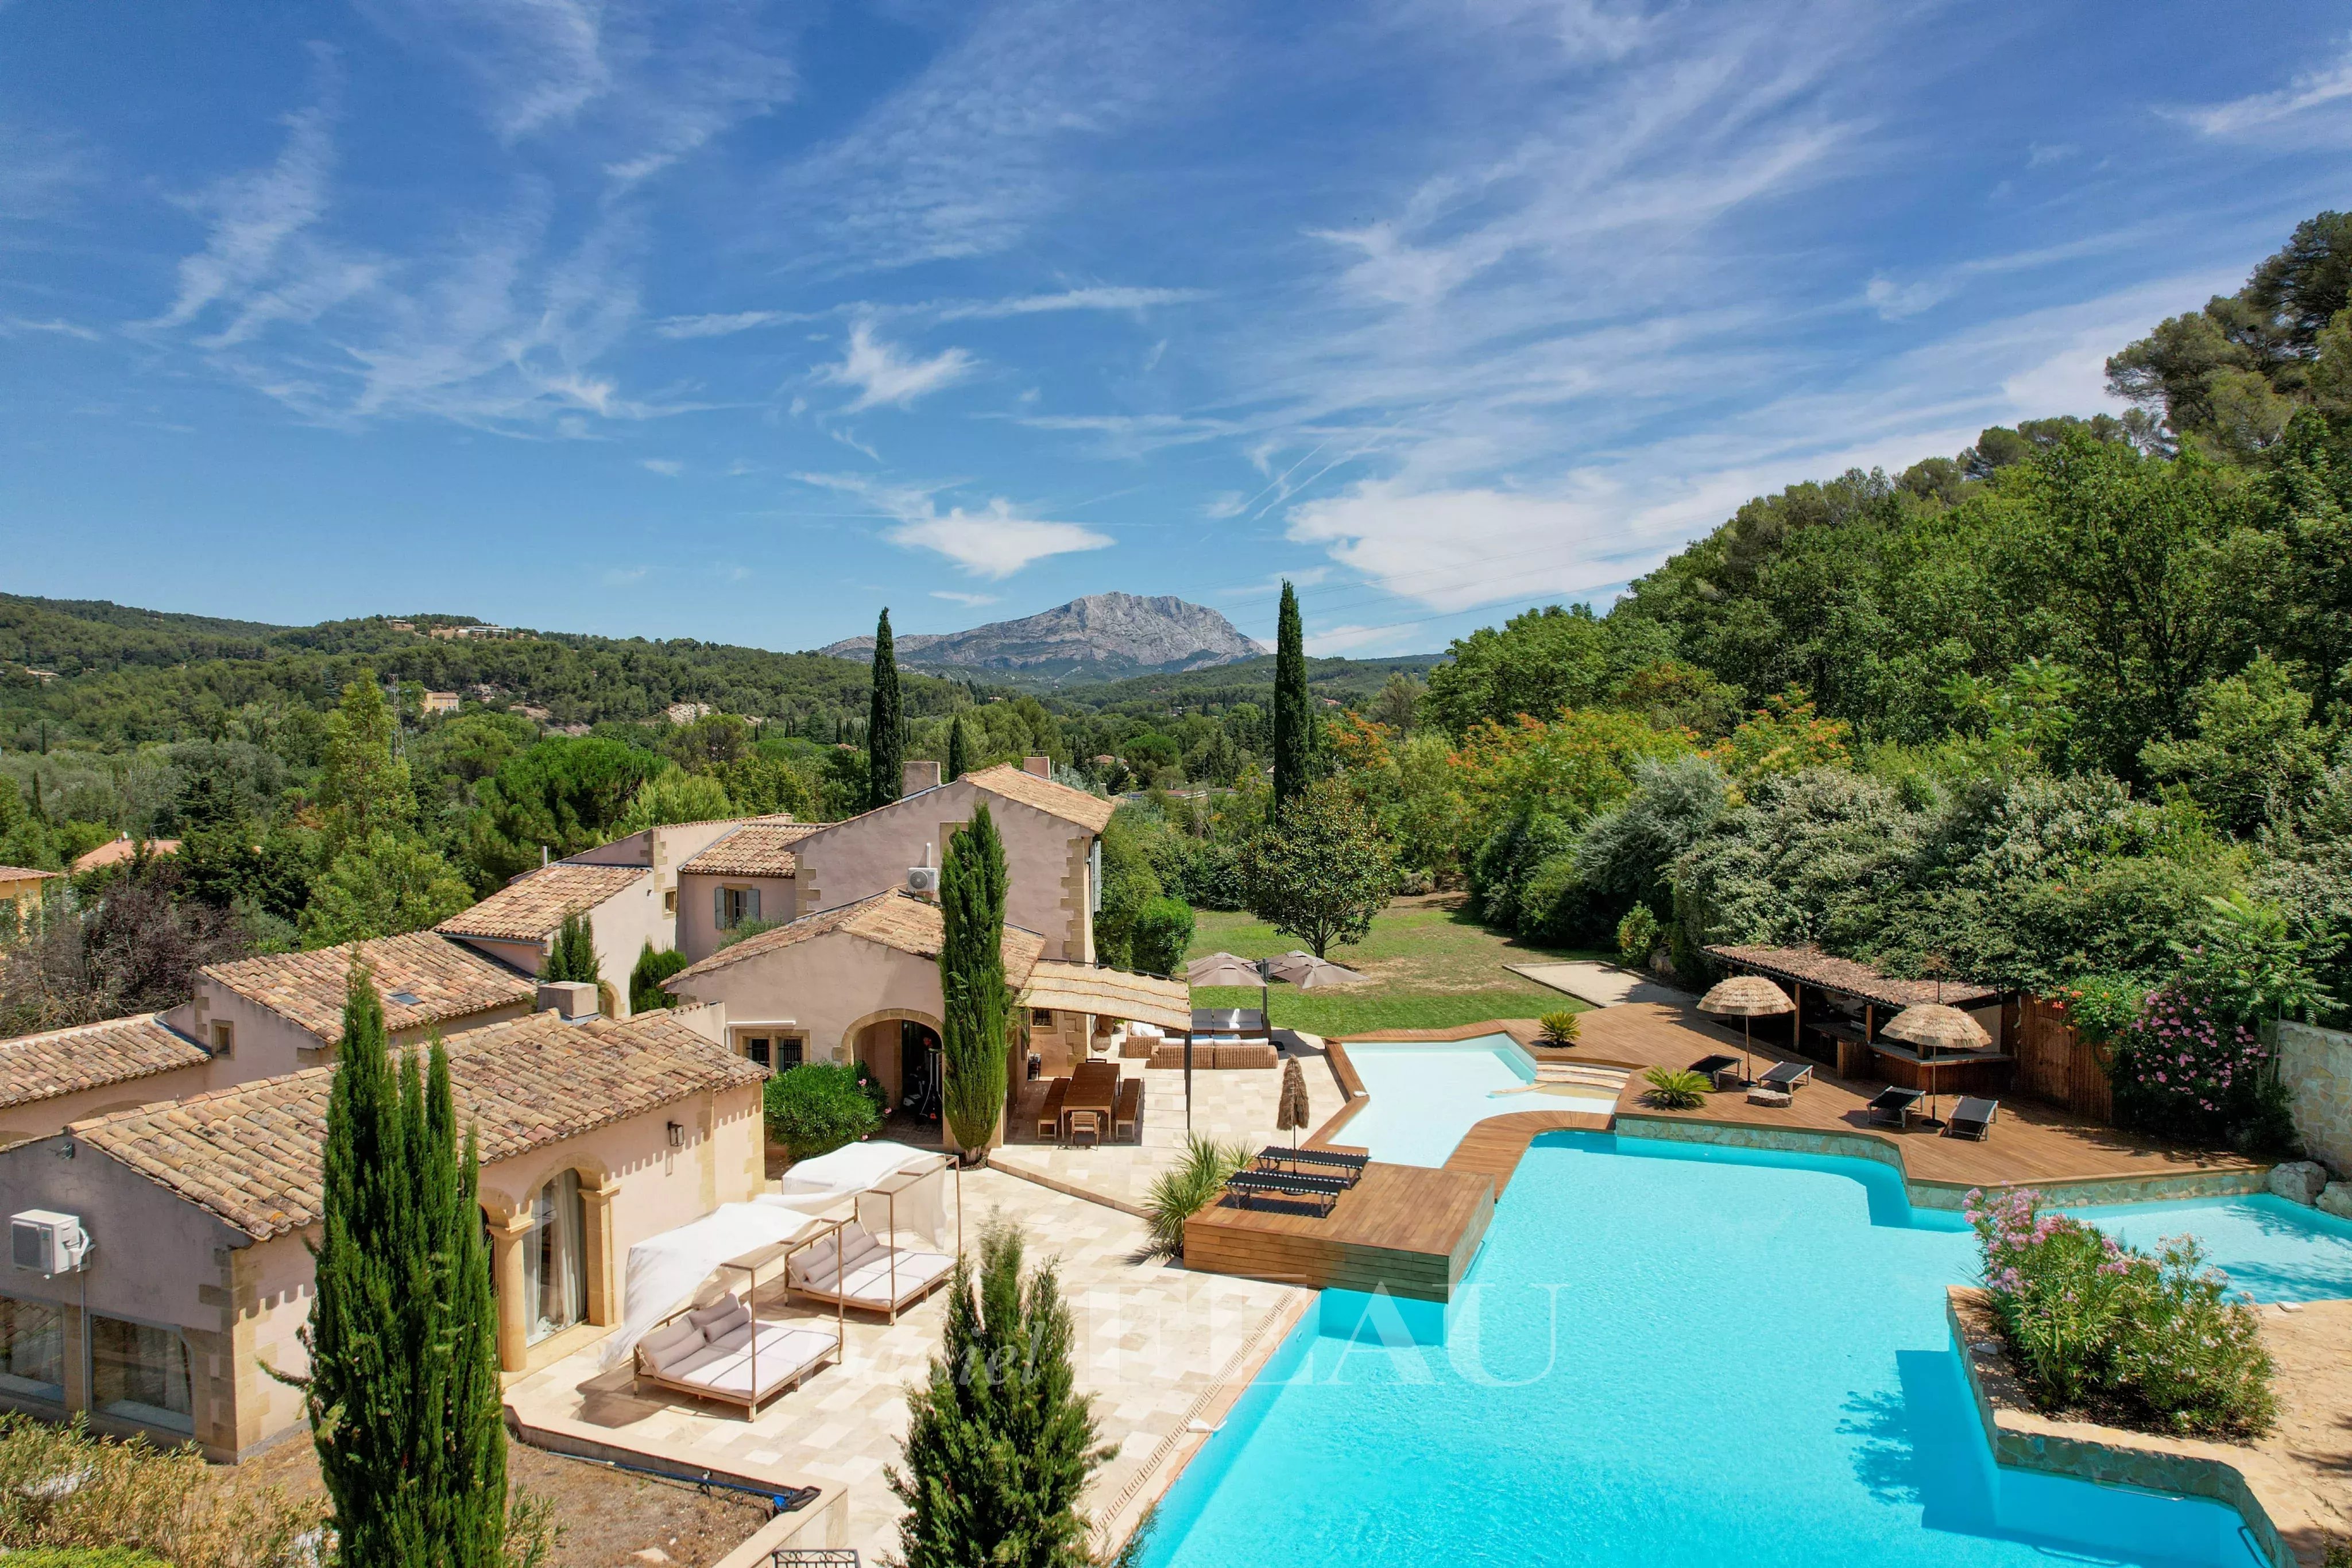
(1290, 1113)
(1745, 997)
(1933, 1027)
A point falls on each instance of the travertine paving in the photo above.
(1155, 1345)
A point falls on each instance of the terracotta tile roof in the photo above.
(755, 849)
(1091, 812)
(116, 849)
(895, 919)
(532, 906)
(22, 873)
(252, 1154)
(1815, 967)
(448, 980)
(34, 1067)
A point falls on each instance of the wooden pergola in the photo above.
(1845, 1005)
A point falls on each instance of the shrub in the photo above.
(1637, 936)
(1560, 1029)
(69, 1497)
(2150, 1341)
(1189, 1187)
(2182, 1071)
(1677, 1088)
(817, 1107)
(1163, 930)
(646, 991)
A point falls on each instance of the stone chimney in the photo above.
(1042, 767)
(916, 777)
(571, 1000)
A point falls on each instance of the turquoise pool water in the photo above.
(1426, 1093)
(2272, 1249)
(1671, 1356)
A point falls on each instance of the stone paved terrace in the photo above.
(1157, 1346)
(1231, 1106)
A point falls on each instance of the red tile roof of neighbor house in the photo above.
(447, 979)
(115, 850)
(756, 849)
(36, 1067)
(894, 918)
(23, 873)
(252, 1155)
(530, 907)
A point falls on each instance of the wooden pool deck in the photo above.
(1415, 1231)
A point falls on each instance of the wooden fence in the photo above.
(2054, 1063)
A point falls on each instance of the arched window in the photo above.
(555, 1259)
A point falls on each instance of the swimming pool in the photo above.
(1426, 1093)
(2272, 1249)
(1671, 1354)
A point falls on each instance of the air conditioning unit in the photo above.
(47, 1242)
(922, 879)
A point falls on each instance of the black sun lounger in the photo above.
(1347, 1168)
(1972, 1117)
(1786, 1076)
(1316, 1193)
(1893, 1106)
(1723, 1070)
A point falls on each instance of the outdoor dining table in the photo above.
(1093, 1086)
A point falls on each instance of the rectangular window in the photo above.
(140, 1373)
(33, 1349)
(735, 906)
(1042, 1018)
(669, 901)
(790, 1051)
(759, 1047)
(224, 1038)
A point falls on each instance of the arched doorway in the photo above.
(901, 1051)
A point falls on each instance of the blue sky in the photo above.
(738, 321)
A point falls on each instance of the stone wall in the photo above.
(2317, 1066)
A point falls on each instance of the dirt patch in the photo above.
(608, 1516)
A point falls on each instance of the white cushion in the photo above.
(872, 1281)
(666, 1348)
(735, 1338)
(784, 1354)
(720, 1311)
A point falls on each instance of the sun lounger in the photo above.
(1049, 1117)
(1317, 1193)
(1348, 1168)
(1787, 1076)
(1127, 1121)
(721, 1352)
(1892, 1107)
(870, 1274)
(1723, 1070)
(1973, 1117)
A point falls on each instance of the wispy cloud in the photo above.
(1098, 299)
(993, 542)
(668, 468)
(57, 327)
(724, 324)
(881, 374)
(2314, 88)
(973, 600)
(622, 576)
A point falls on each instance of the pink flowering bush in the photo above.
(2184, 1070)
(2091, 1324)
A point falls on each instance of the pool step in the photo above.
(1609, 1079)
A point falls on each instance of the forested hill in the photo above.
(113, 676)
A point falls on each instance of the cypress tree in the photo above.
(959, 750)
(1290, 719)
(402, 1395)
(978, 1003)
(999, 1441)
(572, 954)
(885, 739)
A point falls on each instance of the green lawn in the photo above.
(1429, 966)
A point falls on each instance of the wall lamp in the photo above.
(678, 1134)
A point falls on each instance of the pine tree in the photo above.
(363, 783)
(886, 744)
(572, 954)
(403, 1394)
(1290, 719)
(998, 1442)
(978, 1004)
(959, 750)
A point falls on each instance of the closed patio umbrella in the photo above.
(1290, 1104)
(1745, 997)
(1933, 1027)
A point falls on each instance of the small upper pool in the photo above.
(1426, 1093)
(2272, 1249)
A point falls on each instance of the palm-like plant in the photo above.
(1675, 1089)
(1560, 1029)
(1189, 1187)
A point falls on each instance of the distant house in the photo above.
(594, 1135)
(440, 701)
(687, 713)
(285, 1010)
(114, 851)
(20, 887)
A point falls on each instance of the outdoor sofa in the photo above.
(720, 1351)
(856, 1269)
